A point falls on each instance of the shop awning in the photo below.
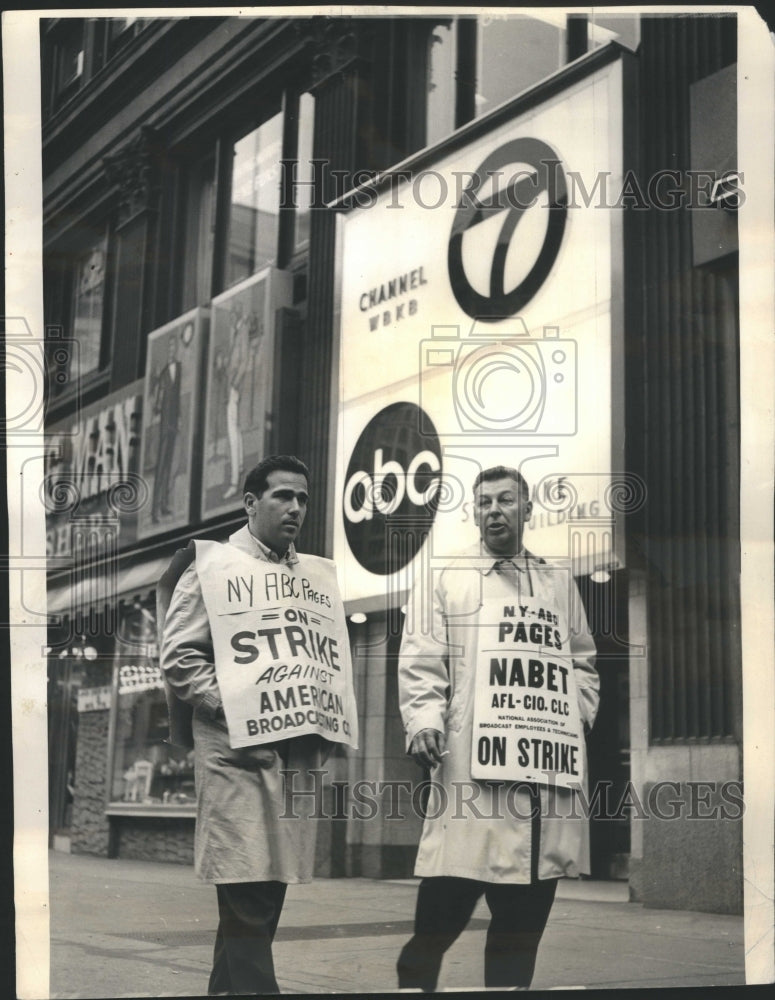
(85, 590)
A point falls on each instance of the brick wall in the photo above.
(90, 828)
(144, 838)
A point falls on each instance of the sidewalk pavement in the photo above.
(144, 929)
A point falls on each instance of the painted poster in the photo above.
(240, 376)
(171, 393)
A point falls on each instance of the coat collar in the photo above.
(485, 561)
(247, 542)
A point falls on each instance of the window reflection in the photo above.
(147, 770)
(69, 60)
(303, 192)
(118, 25)
(87, 312)
(441, 82)
(621, 28)
(514, 52)
(199, 234)
(255, 201)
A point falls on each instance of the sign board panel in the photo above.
(282, 653)
(527, 725)
(94, 699)
(171, 406)
(141, 675)
(479, 300)
(92, 488)
(239, 375)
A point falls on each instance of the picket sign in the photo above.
(282, 653)
(527, 723)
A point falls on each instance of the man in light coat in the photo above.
(509, 841)
(245, 841)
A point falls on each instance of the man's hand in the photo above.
(428, 747)
(254, 758)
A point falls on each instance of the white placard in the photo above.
(282, 655)
(527, 725)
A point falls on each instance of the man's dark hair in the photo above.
(256, 479)
(503, 472)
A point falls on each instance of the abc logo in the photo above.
(392, 488)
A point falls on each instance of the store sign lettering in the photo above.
(99, 452)
(136, 677)
(376, 298)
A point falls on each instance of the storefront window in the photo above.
(121, 30)
(441, 82)
(69, 56)
(147, 771)
(622, 28)
(137, 633)
(255, 201)
(514, 52)
(507, 54)
(88, 298)
(65, 676)
(200, 224)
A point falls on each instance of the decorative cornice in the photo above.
(334, 42)
(134, 171)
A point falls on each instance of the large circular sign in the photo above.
(524, 190)
(392, 488)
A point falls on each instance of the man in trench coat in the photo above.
(508, 841)
(245, 841)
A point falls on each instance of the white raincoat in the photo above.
(476, 829)
(245, 830)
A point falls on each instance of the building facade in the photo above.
(215, 291)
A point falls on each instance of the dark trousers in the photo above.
(444, 907)
(242, 960)
(161, 483)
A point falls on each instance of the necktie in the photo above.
(507, 568)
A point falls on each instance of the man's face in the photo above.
(172, 350)
(500, 511)
(276, 517)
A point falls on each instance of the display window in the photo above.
(147, 771)
(255, 201)
(472, 68)
(301, 195)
